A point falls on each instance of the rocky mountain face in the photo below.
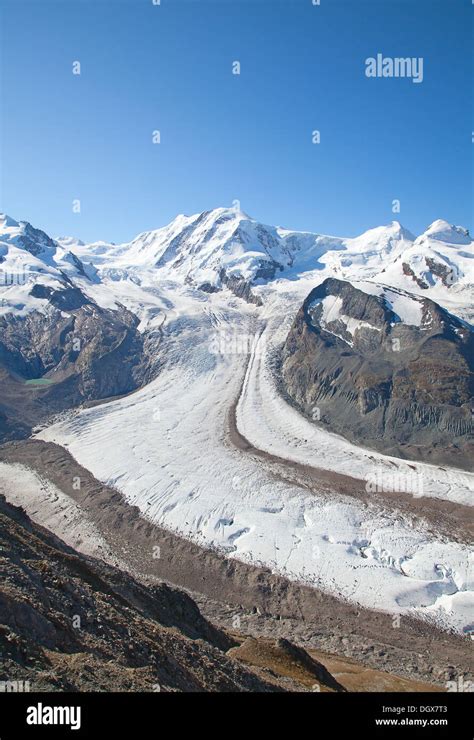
(56, 360)
(401, 382)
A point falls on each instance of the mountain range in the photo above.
(226, 243)
(81, 322)
(205, 249)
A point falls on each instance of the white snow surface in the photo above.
(196, 248)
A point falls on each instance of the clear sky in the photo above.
(225, 137)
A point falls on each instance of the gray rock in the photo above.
(401, 389)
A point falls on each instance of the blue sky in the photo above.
(227, 137)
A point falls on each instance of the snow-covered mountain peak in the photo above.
(443, 231)
(381, 238)
(205, 224)
(24, 236)
(226, 214)
(69, 242)
(197, 247)
(366, 255)
(7, 222)
(33, 266)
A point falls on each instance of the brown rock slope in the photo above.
(68, 622)
(315, 670)
(72, 623)
(287, 659)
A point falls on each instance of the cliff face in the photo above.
(404, 387)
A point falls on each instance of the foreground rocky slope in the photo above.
(399, 382)
(68, 622)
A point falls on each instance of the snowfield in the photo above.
(167, 448)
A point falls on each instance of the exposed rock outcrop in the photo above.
(73, 353)
(351, 363)
(289, 660)
(240, 287)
